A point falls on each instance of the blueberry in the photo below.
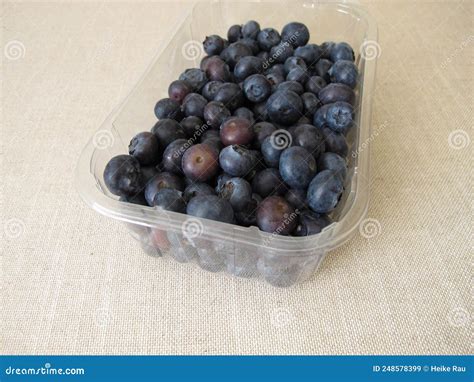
(335, 142)
(210, 207)
(213, 44)
(215, 113)
(284, 107)
(257, 88)
(252, 44)
(298, 74)
(216, 69)
(294, 62)
(237, 160)
(194, 104)
(172, 156)
(200, 162)
(340, 117)
(197, 189)
(326, 48)
(168, 108)
(315, 84)
(244, 112)
(260, 111)
(310, 138)
(336, 92)
(234, 52)
(303, 121)
(311, 223)
(247, 66)
(122, 176)
(293, 86)
(210, 89)
(263, 55)
(148, 172)
(178, 90)
(145, 147)
(220, 181)
(194, 77)
(324, 191)
(321, 69)
(135, 199)
(248, 216)
(297, 198)
(275, 79)
(278, 69)
(231, 95)
(251, 29)
(310, 53)
(276, 215)
(281, 52)
(342, 51)
(311, 103)
(193, 126)
(170, 200)
(160, 181)
(272, 148)
(236, 131)
(319, 118)
(262, 130)
(213, 142)
(167, 131)
(234, 33)
(268, 38)
(297, 167)
(238, 192)
(333, 162)
(344, 72)
(268, 182)
(295, 33)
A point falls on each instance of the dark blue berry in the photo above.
(167, 131)
(250, 29)
(168, 108)
(297, 167)
(336, 92)
(342, 51)
(145, 147)
(170, 200)
(268, 182)
(210, 207)
(247, 66)
(213, 44)
(238, 192)
(284, 107)
(194, 77)
(344, 72)
(160, 181)
(333, 162)
(257, 88)
(237, 160)
(276, 215)
(340, 117)
(122, 176)
(215, 113)
(268, 38)
(311, 223)
(324, 191)
(295, 33)
(193, 105)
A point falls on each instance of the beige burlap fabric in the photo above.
(74, 281)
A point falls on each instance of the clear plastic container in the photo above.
(215, 246)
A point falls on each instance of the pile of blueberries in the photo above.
(255, 136)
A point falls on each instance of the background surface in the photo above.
(75, 282)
